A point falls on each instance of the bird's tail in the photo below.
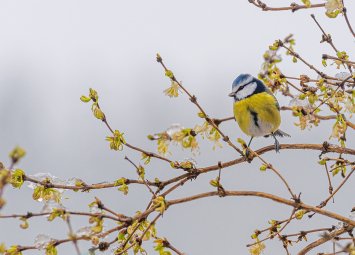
(281, 133)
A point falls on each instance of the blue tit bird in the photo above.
(256, 109)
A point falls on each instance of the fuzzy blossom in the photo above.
(297, 102)
(42, 241)
(351, 249)
(190, 142)
(116, 141)
(163, 146)
(343, 76)
(84, 232)
(13, 250)
(257, 248)
(160, 246)
(333, 7)
(160, 204)
(173, 90)
(17, 178)
(47, 178)
(43, 193)
(51, 249)
(186, 137)
(2, 248)
(211, 133)
(49, 206)
(16, 154)
(306, 120)
(188, 163)
(339, 129)
(174, 128)
(350, 104)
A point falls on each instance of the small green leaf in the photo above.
(322, 162)
(299, 214)
(263, 167)
(85, 99)
(307, 3)
(324, 62)
(51, 250)
(214, 183)
(201, 115)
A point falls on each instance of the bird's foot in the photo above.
(248, 155)
(277, 146)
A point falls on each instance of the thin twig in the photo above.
(322, 240)
(293, 7)
(338, 188)
(143, 180)
(345, 12)
(330, 187)
(72, 236)
(296, 55)
(275, 198)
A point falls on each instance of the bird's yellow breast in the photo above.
(257, 115)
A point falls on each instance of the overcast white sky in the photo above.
(51, 52)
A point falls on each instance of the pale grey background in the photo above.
(51, 52)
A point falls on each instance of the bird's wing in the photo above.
(267, 90)
(281, 133)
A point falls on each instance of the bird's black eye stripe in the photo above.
(243, 86)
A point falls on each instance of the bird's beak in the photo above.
(231, 94)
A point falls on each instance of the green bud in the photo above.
(24, 224)
(299, 214)
(17, 178)
(169, 74)
(214, 183)
(322, 162)
(302, 96)
(150, 137)
(51, 250)
(17, 153)
(263, 167)
(85, 99)
(307, 3)
(254, 236)
(324, 62)
(120, 181)
(241, 141)
(93, 95)
(201, 115)
(159, 59)
(332, 14)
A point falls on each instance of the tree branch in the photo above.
(293, 7)
(322, 240)
(297, 205)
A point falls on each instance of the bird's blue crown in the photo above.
(245, 81)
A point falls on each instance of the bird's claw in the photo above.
(277, 146)
(248, 155)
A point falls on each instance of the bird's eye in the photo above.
(241, 87)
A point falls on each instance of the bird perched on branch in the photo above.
(256, 109)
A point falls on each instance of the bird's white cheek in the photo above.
(246, 91)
